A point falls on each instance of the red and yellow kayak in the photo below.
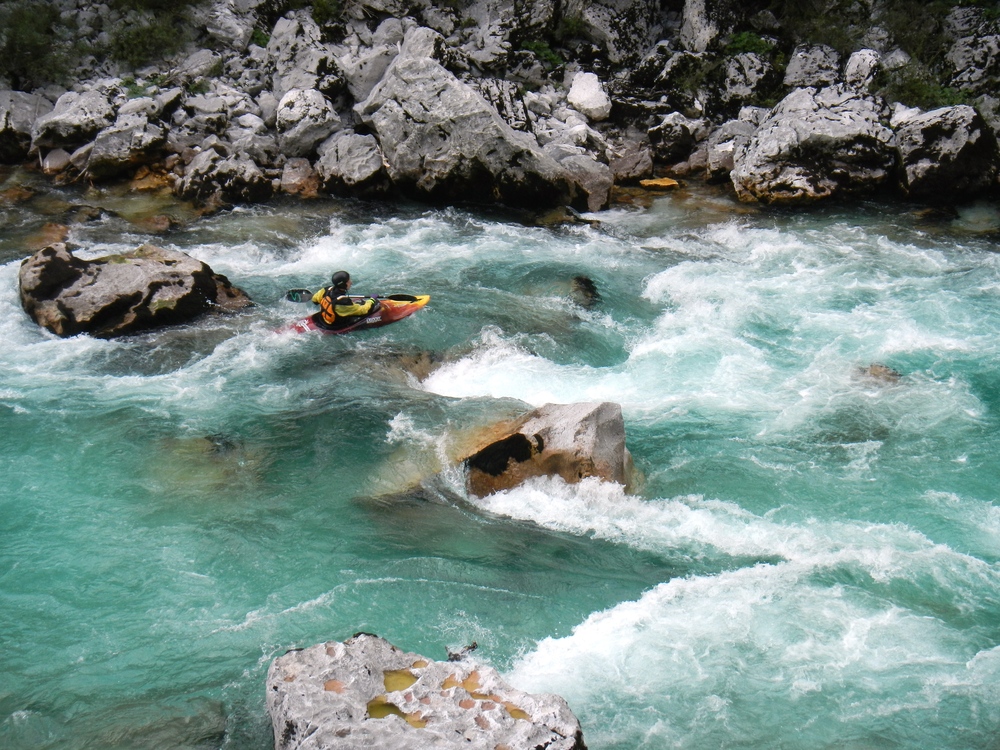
(393, 308)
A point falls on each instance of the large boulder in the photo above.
(231, 179)
(587, 96)
(947, 155)
(572, 441)
(367, 693)
(121, 294)
(131, 141)
(18, 112)
(75, 120)
(301, 59)
(813, 65)
(305, 118)
(816, 144)
(351, 164)
(624, 29)
(443, 142)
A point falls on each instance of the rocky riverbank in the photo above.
(535, 105)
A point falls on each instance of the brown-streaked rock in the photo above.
(572, 441)
(365, 692)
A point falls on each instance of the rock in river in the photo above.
(367, 693)
(121, 294)
(573, 441)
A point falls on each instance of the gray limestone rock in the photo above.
(366, 693)
(861, 68)
(723, 144)
(813, 65)
(351, 164)
(572, 441)
(675, 136)
(592, 176)
(299, 178)
(301, 59)
(304, 119)
(365, 67)
(233, 179)
(631, 159)
(132, 140)
(744, 75)
(443, 142)
(75, 120)
(18, 112)
(588, 97)
(624, 29)
(121, 294)
(947, 155)
(201, 64)
(228, 26)
(816, 144)
(975, 61)
(506, 99)
(704, 21)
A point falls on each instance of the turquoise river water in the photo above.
(810, 561)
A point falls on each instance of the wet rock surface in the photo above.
(365, 692)
(121, 294)
(571, 441)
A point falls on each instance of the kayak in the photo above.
(393, 308)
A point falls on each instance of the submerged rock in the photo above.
(365, 692)
(121, 294)
(572, 441)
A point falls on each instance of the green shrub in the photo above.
(259, 38)
(325, 11)
(571, 27)
(28, 56)
(549, 57)
(914, 86)
(135, 44)
(747, 41)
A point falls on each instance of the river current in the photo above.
(810, 560)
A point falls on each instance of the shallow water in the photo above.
(811, 560)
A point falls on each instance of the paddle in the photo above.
(304, 295)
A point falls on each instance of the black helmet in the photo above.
(340, 279)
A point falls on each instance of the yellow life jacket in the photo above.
(335, 303)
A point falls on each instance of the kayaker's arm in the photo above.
(318, 296)
(362, 307)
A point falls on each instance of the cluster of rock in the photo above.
(365, 692)
(449, 103)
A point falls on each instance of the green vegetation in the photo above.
(571, 27)
(549, 57)
(914, 86)
(259, 38)
(28, 57)
(325, 11)
(747, 41)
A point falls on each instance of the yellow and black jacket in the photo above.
(335, 305)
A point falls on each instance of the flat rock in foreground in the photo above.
(367, 693)
(121, 294)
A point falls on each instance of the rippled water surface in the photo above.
(810, 561)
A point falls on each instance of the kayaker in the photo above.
(336, 308)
